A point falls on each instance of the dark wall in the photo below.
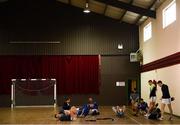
(79, 34)
(113, 68)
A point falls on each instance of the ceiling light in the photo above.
(86, 10)
(120, 46)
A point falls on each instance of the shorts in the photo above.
(153, 99)
(120, 114)
(166, 101)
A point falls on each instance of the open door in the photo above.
(131, 85)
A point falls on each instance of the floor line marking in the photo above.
(133, 118)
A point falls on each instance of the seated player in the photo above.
(93, 107)
(155, 113)
(142, 107)
(135, 108)
(67, 115)
(119, 110)
(83, 111)
(134, 97)
(66, 105)
(89, 109)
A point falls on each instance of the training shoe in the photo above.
(146, 115)
(161, 118)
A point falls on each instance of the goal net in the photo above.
(33, 92)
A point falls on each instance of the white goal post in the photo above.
(24, 81)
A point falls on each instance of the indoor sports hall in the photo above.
(89, 61)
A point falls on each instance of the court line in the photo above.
(139, 122)
(132, 118)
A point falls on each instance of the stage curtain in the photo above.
(74, 74)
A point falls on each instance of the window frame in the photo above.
(147, 27)
(164, 15)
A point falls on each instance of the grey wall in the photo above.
(79, 34)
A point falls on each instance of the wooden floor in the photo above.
(46, 116)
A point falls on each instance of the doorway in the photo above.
(131, 85)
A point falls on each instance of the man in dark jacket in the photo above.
(66, 105)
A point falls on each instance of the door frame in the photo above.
(127, 87)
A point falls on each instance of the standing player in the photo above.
(166, 100)
(152, 96)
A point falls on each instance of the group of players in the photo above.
(152, 111)
(70, 113)
(139, 106)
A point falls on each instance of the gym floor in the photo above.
(46, 116)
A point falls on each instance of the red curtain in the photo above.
(74, 74)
